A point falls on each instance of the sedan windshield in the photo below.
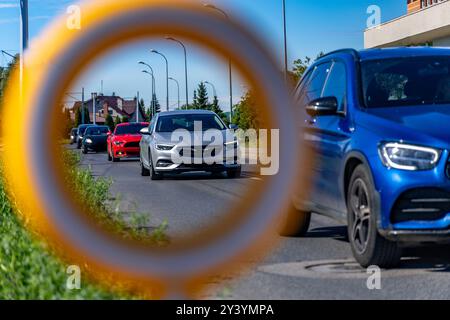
(406, 81)
(188, 122)
(96, 131)
(130, 129)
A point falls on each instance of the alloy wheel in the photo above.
(360, 209)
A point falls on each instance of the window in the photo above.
(406, 81)
(314, 86)
(336, 85)
(130, 129)
(188, 122)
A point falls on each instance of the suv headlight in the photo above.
(119, 143)
(409, 157)
(88, 141)
(164, 147)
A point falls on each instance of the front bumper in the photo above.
(168, 161)
(124, 152)
(418, 236)
(410, 202)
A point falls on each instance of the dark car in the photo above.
(73, 135)
(80, 134)
(95, 138)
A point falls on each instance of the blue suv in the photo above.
(378, 131)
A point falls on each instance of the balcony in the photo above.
(415, 5)
(428, 24)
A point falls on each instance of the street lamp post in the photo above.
(152, 74)
(285, 43)
(24, 38)
(185, 67)
(153, 91)
(167, 77)
(230, 70)
(213, 87)
(178, 86)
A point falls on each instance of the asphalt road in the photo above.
(319, 266)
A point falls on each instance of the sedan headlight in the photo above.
(409, 157)
(88, 140)
(119, 143)
(164, 147)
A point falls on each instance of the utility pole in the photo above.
(82, 106)
(24, 36)
(137, 107)
(285, 43)
(94, 107)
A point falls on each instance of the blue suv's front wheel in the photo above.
(368, 246)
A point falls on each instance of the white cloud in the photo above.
(8, 5)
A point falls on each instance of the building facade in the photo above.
(427, 22)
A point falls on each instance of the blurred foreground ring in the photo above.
(53, 63)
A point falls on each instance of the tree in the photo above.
(117, 121)
(67, 123)
(125, 119)
(214, 107)
(109, 121)
(77, 117)
(5, 74)
(300, 67)
(201, 97)
(156, 104)
(87, 116)
(142, 110)
(245, 114)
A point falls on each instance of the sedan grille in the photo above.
(132, 144)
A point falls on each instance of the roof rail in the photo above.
(353, 52)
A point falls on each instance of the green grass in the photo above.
(29, 269)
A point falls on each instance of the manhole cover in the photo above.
(340, 269)
(337, 267)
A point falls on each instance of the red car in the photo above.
(124, 142)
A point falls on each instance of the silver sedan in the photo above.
(186, 141)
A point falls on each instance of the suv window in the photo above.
(406, 81)
(314, 85)
(336, 85)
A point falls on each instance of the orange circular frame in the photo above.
(33, 168)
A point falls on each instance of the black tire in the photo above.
(114, 159)
(296, 223)
(368, 246)
(152, 173)
(144, 171)
(85, 150)
(78, 145)
(234, 173)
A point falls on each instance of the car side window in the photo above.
(336, 85)
(314, 86)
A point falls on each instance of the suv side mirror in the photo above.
(233, 126)
(327, 106)
(145, 132)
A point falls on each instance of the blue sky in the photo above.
(313, 26)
